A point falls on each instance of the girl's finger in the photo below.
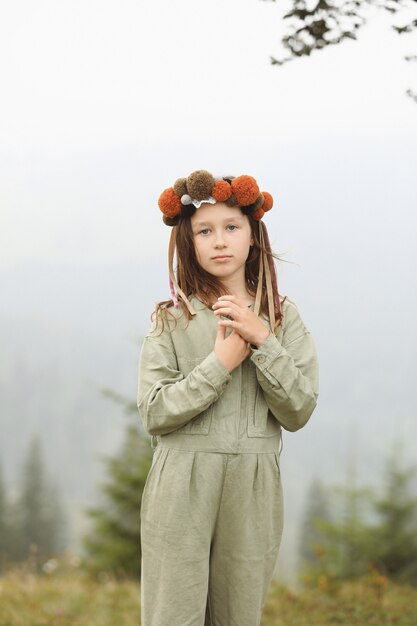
(228, 303)
(232, 299)
(221, 331)
(226, 311)
(229, 323)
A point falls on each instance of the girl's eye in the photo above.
(203, 231)
(232, 226)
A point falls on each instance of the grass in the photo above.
(69, 595)
(370, 601)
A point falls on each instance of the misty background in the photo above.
(105, 105)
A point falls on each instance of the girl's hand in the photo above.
(231, 350)
(244, 321)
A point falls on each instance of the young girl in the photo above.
(226, 364)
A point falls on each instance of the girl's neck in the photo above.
(239, 290)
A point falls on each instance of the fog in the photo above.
(106, 105)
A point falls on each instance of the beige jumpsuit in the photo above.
(211, 512)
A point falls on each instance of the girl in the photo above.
(225, 366)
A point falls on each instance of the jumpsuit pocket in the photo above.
(199, 425)
(160, 453)
(152, 467)
(276, 455)
(259, 421)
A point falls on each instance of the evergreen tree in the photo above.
(347, 538)
(333, 543)
(114, 541)
(38, 525)
(312, 539)
(58, 520)
(394, 538)
(4, 528)
(366, 530)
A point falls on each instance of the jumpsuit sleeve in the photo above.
(167, 399)
(287, 371)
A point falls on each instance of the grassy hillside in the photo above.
(70, 596)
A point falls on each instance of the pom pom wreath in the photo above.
(267, 205)
(169, 202)
(179, 201)
(246, 189)
(258, 214)
(180, 186)
(232, 201)
(221, 191)
(200, 184)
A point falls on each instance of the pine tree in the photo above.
(348, 537)
(394, 538)
(114, 541)
(38, 524)
(335, 534)
(4, 528)
(58, 520)
(366, 530)
(317, 510)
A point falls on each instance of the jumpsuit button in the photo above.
(261, 358)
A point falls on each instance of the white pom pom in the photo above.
(186, 199)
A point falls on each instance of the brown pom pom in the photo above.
(259, 213)
(180, 186)
(267, 205)
(251, 208)
(171, 221)
(232, 201)
(200, 184)
(169, 203)
(245, 189)
(221, 191)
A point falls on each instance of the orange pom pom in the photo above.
(258, 214)
(221, 191)
(267, 205)
(169, 203)
(245, 189)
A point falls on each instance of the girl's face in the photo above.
(222, 238)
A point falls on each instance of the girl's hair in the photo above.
(193, 279)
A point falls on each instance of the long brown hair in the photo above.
(194, 280)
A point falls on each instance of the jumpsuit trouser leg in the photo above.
(211, 525)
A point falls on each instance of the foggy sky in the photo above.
(105, 104)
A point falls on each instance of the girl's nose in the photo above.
(219, 240)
